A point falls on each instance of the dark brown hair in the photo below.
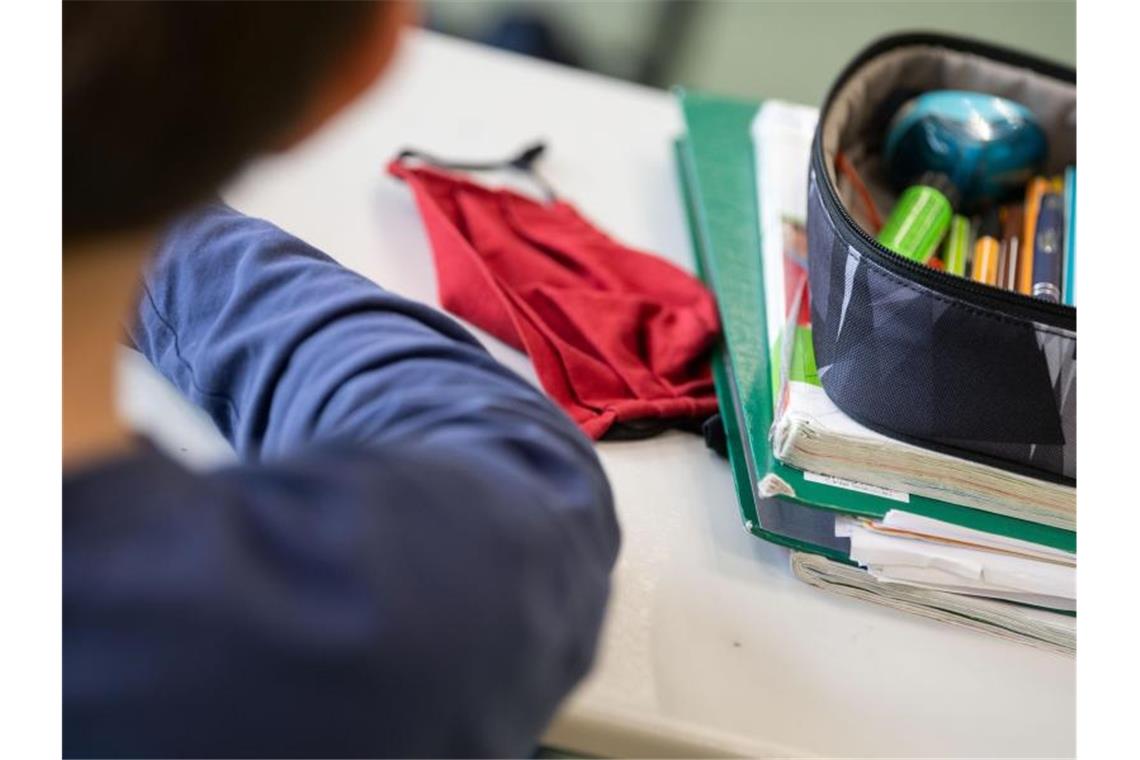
(162, 101)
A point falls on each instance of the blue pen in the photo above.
(1068, 288)
(1048, 242)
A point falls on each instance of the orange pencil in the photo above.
(987, 251)
(1037, 187)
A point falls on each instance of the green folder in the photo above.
(715, 166)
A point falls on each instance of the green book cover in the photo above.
(715, 163)
(737, 450)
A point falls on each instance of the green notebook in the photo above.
(715, 164)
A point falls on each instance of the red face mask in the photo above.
(619, 338)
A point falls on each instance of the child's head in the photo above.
(162, 101)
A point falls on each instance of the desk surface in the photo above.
(710, 646)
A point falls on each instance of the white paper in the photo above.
(781, 137)
(976, 568)
(934, 579)
(901, 520)
(1037, 627)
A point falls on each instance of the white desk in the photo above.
(710, 647)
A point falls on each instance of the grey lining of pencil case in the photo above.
(852, 119)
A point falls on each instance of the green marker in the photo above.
(956, 249)
(919, 219)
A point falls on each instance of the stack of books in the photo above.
(865, 515)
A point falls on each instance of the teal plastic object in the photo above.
(988, 147)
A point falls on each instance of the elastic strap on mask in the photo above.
(522, 162)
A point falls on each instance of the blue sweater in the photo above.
(413, 558)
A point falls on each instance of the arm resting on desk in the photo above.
(414, 560)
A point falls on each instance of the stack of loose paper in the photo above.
(916, 551)
(1026, 625)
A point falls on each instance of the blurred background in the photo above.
(755, 48)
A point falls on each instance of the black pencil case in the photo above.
(918, 354)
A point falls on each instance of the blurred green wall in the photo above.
(757, 48)
(793, 50)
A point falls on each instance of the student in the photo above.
(413, 557)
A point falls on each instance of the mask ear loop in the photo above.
(522, 162)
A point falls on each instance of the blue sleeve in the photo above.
(413, 558)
